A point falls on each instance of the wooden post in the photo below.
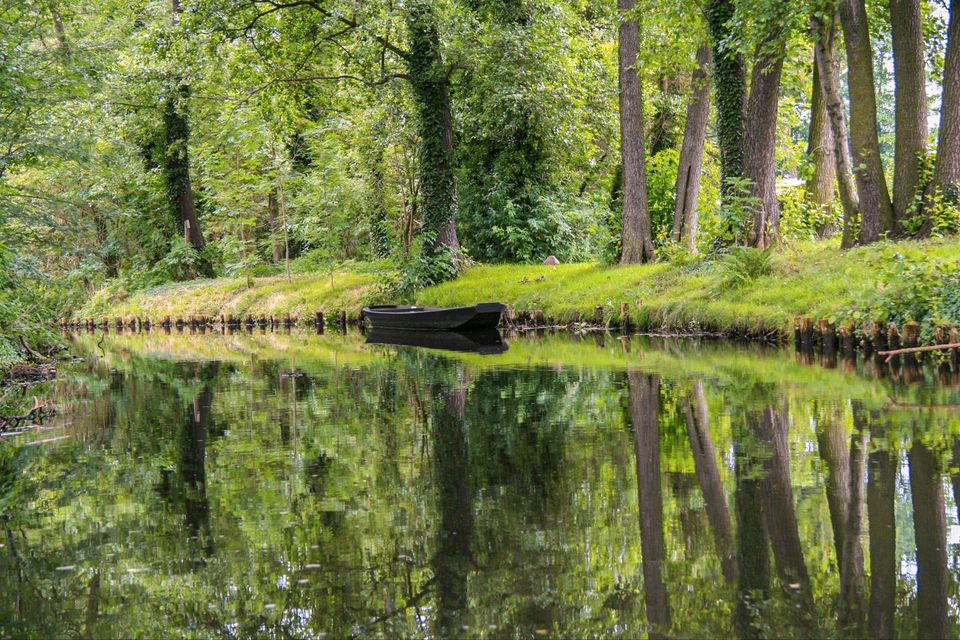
(598, 315)
(625, 316)
(828, 336)
(955, 352)
(806, 334)
(286, 320)
(911, 338)
(575, 317)
(318, 320)
(537, 319)
(848, 338)
(343, 319)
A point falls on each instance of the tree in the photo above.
(876, 209)
(826, 73)
(176, 160)
(911, 109)
(636, 235)
(730, 93)
(686, 214)
(946, 176)
(759, 165)
(431, 89)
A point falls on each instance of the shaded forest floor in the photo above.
(744, 293)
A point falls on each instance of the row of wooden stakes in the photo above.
(319, 320)
(877, 337)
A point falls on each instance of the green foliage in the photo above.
(729, 226)
(801, 219)
(741, 266)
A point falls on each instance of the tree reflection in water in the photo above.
(366, 489)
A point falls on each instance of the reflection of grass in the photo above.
(751, 368)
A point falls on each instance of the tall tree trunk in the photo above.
(876, 210)
(946, 175)
(663, 128)
(820, 150)
(930, 530)
(910, 94)
(273, 216)
(686, 212)
(881, 516)
(759, 156)
(696, 416)
(828, 71)
(176, 160)
(431, 92)
(730, 94)
(644, 399)
(636, 236)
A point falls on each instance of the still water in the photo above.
(300, 486)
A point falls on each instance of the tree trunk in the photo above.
(273, 214)
(705, 461)
(930, 530)
(636, 237)
(910, 95)
(644, 400)
(686, 213)
(876, 210)
(730, 94)
(760, 141)
(176, 161)
(946, 176)
(431, 93)
(828, 72)
(820, 150)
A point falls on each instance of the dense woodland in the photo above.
(151, 141)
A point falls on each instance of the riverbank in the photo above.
(746, 293)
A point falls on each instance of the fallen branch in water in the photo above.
(932, 347)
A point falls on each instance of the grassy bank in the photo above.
(745, 292)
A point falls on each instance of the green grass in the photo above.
(303, 295)
(815, 279)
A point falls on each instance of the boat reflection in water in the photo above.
(482, 341)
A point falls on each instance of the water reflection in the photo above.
(292, 486)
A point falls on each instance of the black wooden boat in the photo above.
(482, 316)
(482, 341)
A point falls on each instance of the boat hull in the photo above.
(409, 318)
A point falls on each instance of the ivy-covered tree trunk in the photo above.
(827, 69)
(730, 94)
(431, 92)
(876, 210)
(759, 162)
(176, 162)
(636, 236)
(819, 186)
(176, 171)
(686, 213)
(946, 176)
(910, 95)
